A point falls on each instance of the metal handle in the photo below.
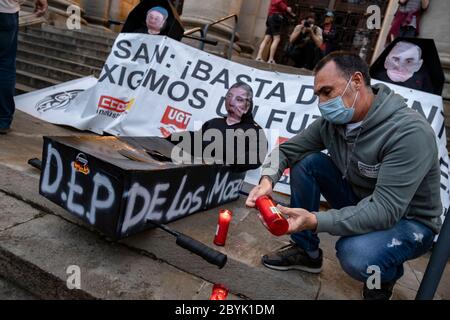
(212, 256)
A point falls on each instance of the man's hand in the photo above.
(263, 189)
(41, 7)
(299, 219)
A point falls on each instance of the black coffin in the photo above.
(96, 180)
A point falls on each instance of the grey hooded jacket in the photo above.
(391, 162)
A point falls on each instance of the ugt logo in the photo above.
(174, 120)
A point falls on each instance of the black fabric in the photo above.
(304, 52)
(142, 29)
(274, 24)
(329, 40)
(8, 49)
(407, 31)
(419, 81)
(431, 62)
(250, 148)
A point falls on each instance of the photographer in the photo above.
(305, 42)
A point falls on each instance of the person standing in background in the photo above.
(328, 34)
(407, 18)
(305, 43)
(9, 28)
(274, 23)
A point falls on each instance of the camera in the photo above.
(306, 24)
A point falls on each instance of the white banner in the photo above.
(154, 86)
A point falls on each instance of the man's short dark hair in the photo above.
(348, 63)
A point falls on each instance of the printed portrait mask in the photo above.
(403, 61)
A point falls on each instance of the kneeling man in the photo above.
(381, 177)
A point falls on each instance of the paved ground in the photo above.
(10, 291)
(39, 241)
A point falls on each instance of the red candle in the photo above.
(222, 227)
(219, 292)
(274, 221)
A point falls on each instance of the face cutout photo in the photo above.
(403, 61)
(237, 102)
(156, 18)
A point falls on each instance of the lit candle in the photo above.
(222, 227)
(219, 292)
(274, 220)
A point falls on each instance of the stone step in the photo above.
(270, 67)
(28, 18)
(50, 244)
(86, 35)
(98, 30)
(21, 89)
(33, 80)
(67, 39)
(100, 54)
(40, 264)
(43, 49)
(10, 291)
(47, 71)
(87, 30)
(446, 91)
(31, 56)
(137, 266)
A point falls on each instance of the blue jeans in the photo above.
(387, 249)
(8, 47)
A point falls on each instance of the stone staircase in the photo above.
(48, 55)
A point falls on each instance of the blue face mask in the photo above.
(335, 111)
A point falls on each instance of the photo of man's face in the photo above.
(155, 20)
(403, 61)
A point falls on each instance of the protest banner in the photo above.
(155, 86)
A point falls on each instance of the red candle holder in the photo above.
(219, 292)
(274, 220)
(222, 227)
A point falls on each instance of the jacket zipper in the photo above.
(349, 155)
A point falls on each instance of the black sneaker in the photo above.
(4, 130)
(384, 293)
(291, 257)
